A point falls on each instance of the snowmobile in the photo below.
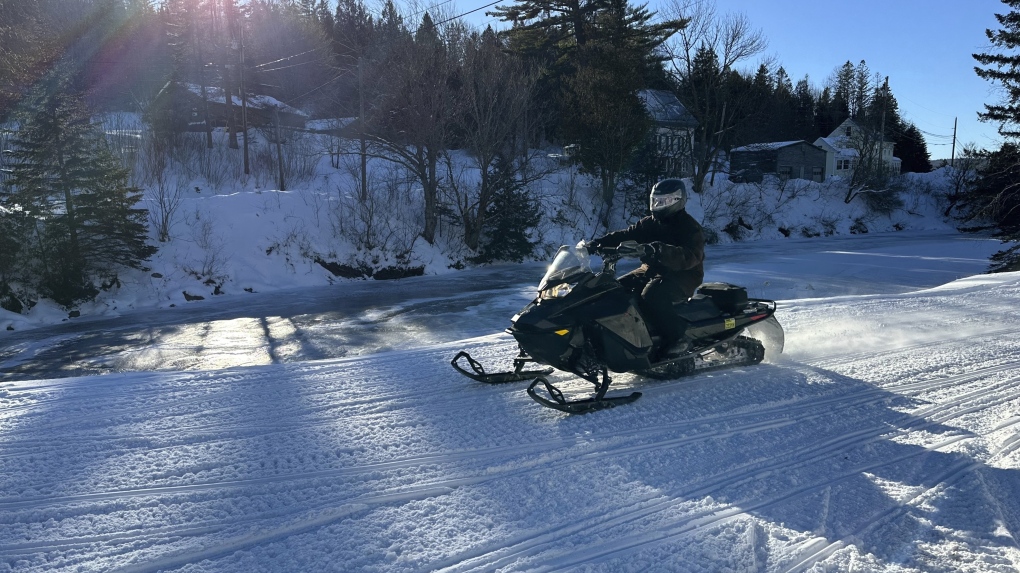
(586, 323)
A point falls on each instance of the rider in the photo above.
(673, 252)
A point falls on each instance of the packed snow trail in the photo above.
(885, 439)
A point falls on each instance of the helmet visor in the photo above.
(660, 202)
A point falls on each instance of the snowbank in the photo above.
(231, 238)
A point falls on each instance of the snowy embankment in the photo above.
(886, 438)
(233, 236)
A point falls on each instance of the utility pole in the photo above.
(952, 156)
(244, 100)
(722, 123)
(361, 124)
(881, 130)
(279, 146)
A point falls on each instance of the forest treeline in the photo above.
(416, 82)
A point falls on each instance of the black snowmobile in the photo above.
(586, 323)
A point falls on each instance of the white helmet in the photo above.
(668, 196)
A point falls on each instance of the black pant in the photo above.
(656, 296)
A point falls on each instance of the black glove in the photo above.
(649, 254)
(594, 246)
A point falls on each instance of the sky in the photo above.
(923, 46)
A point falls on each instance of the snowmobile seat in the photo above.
(698, 308)
(731, 299)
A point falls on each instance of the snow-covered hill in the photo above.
(233, 235)
(885, 438)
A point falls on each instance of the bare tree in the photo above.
(414, 121)
(702, 62)
(961, 174)
(870, 169)
(496, 90)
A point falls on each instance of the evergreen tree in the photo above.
(603, 113)
(1003, 69)
(842, 90)
(912, 150)
(784, 108)
(995, 194)
(513, 213)
(758, 127)
(829, 113)
(860, 94)
(805, 126)
(994, 197)
(72, 188)
(564, 37)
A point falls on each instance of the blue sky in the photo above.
(924, 46)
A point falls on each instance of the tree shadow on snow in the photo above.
(809, 450)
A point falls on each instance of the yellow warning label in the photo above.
(731, 323)
(562, 332)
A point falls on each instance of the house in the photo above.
(262, 110)
(789, 159)
(848, 142)
(673, 132)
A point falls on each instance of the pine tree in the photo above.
(805, 124)
(67, 182)
(912, 150)
(569, 38)
(603, 113)
(1004, 69)
(995, 195)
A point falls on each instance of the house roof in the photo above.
(215, 94)
(836, 145)
(767, 146)
(839, 134)
(665, 108)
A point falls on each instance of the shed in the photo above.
(791, 159)
(262, 109)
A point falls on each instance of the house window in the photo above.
(842, 164)
(785, 171)
(816, 173)
(848, 131)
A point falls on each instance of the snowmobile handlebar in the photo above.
(626, 249)
(611, 255)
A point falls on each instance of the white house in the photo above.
(843, 148)
(673, 133)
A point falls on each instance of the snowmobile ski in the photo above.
(478, 373)
(557, 401)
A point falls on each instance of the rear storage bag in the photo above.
(729, 298)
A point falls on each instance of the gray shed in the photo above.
(790, 159)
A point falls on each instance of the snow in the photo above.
(770, 146)
(293, 421)
(321, 428)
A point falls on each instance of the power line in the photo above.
(469, 12)
(286, 58)
(433, 7)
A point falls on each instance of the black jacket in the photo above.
(679, 244)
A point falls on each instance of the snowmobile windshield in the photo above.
(568, 265)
